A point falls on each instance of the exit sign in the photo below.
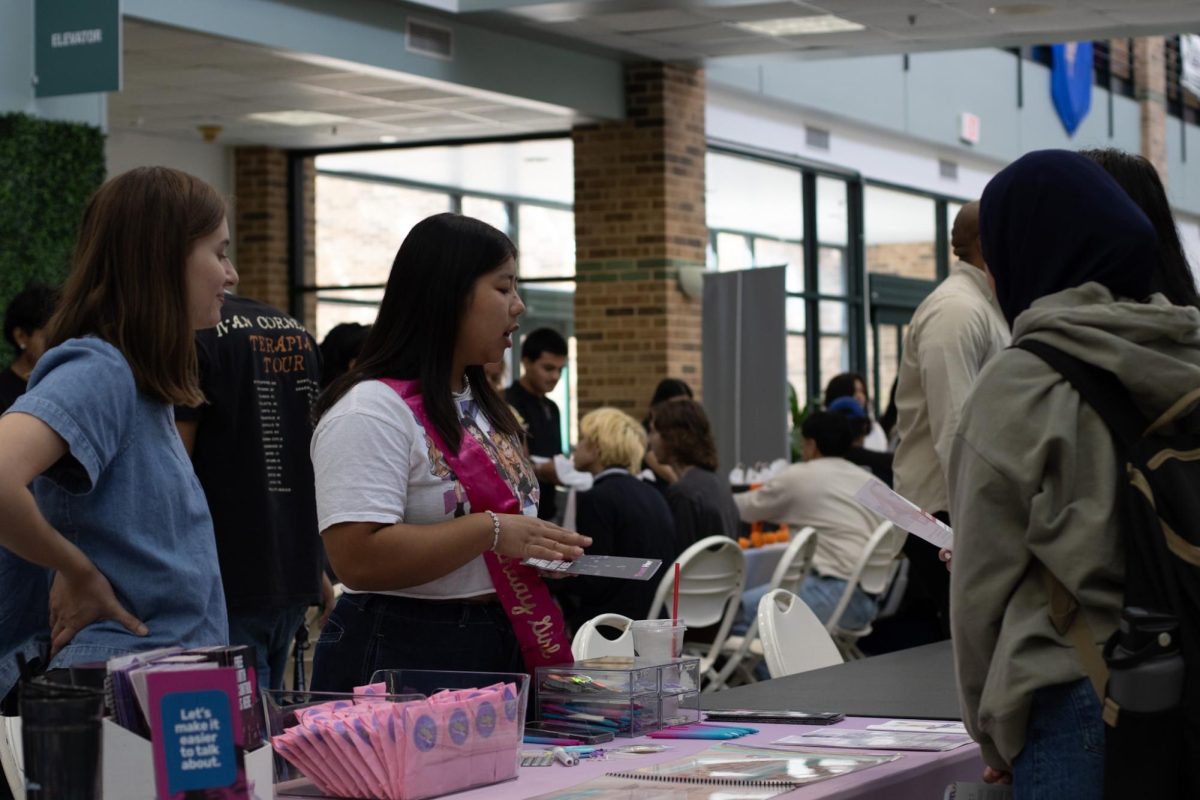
(968, 127)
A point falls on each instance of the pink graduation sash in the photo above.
(535, 617)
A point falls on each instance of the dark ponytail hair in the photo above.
(414, 334)
(1141, 182)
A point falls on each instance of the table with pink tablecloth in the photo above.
(916, 775)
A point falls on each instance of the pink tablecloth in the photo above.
(915, 775)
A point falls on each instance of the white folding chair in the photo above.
(591, 643)
(712, 575)
(874, 571)
(793, 639)
(742, 653)
(11, 763)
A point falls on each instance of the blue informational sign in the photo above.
(77, 46)
(198, 741)
(1071, 82)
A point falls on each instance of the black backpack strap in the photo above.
(1099, 388)
(1110, 399)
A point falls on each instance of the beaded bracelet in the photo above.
(495, 529)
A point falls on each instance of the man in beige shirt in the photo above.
(820, 492)
(953, 333)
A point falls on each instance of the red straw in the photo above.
(675, 600)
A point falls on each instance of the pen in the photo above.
(565, 758)
(550, 740)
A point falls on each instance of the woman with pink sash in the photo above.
(425, 500)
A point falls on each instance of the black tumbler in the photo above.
(60, 734)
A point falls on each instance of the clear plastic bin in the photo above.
(419, 734)
(626, 696)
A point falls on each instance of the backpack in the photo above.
(1148, 679)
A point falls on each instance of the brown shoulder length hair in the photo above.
(684, 429)
(128, 281)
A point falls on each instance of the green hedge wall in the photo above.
(48, 170)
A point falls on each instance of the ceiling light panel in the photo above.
(296, 118)
(801, 26)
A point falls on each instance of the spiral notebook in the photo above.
(734, 765)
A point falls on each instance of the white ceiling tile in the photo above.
(694, 35)
(646, 20)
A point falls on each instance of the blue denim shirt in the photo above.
(128, 497)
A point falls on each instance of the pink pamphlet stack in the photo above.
(372, 747)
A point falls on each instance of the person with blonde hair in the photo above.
(623, 515)
(107, 543)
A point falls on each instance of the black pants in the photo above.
(369, 632)
(929, 581)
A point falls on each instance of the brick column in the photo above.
(639, 220)
(261, 206)
(1150, 82)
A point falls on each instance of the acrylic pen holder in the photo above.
(624, 696)
(411, 735)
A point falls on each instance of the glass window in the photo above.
(493, 212)
(831, 270)
(797, 367)
(899, 233)
(891, 339)
(546, 240)
(366, 203)
(835, 356)
(835, 339)
(751, 196)
(734, 252)
(952, 210)
(872, 373)
(346, 305)
(833, 217)
(360, 225)
(774, 253)
(795, 313)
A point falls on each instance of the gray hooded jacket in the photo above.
(1033, 477)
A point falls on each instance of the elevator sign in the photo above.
(78, 47)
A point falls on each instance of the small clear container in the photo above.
(621, 695)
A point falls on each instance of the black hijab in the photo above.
(1053, 220)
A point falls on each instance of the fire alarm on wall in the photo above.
(968, 127)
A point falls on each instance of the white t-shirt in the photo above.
(373, 463)
(820, 493)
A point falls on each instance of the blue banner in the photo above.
(1071, 82)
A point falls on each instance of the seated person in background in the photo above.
(623, 515)
(700, 500)
(820, 492)
(667, 389)
(879, 463)
(24, 328)
(851, 384)
(339, 351)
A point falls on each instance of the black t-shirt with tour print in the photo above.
(260, 372)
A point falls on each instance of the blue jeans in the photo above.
(1063, 757)
(369, 632)
(271, 633)
(821, 594)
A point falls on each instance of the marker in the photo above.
(565, 758)
(549, 740)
